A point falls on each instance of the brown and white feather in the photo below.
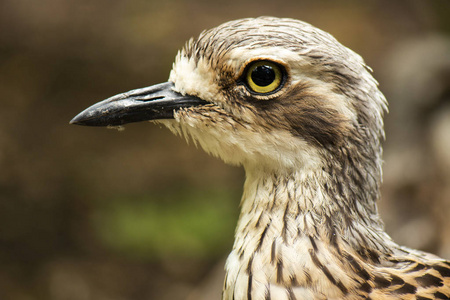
(309, 226)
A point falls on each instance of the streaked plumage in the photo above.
(311, 149)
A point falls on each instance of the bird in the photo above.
(303, 115)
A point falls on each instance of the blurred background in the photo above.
(90, 213)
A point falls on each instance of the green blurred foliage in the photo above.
(186, 224)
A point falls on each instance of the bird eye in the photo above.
(264, 77)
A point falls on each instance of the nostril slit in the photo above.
(144, 99)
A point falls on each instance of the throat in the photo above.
(310, 203)
(286, 220)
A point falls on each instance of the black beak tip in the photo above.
(99, 114)
(76, 120)
(85, 120)
(80, 119)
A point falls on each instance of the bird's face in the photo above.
(276, 93)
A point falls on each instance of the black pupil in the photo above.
(263, 75)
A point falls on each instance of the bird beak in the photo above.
(151, 103)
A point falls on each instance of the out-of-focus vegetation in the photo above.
(90, 213)
(187, 224)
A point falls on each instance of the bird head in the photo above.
(264, 93)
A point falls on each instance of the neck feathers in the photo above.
(293, 225)
(316, 204)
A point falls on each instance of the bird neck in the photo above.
(293, 224)
(315, 203)
(299, 233)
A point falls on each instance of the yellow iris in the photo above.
(264, 77)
